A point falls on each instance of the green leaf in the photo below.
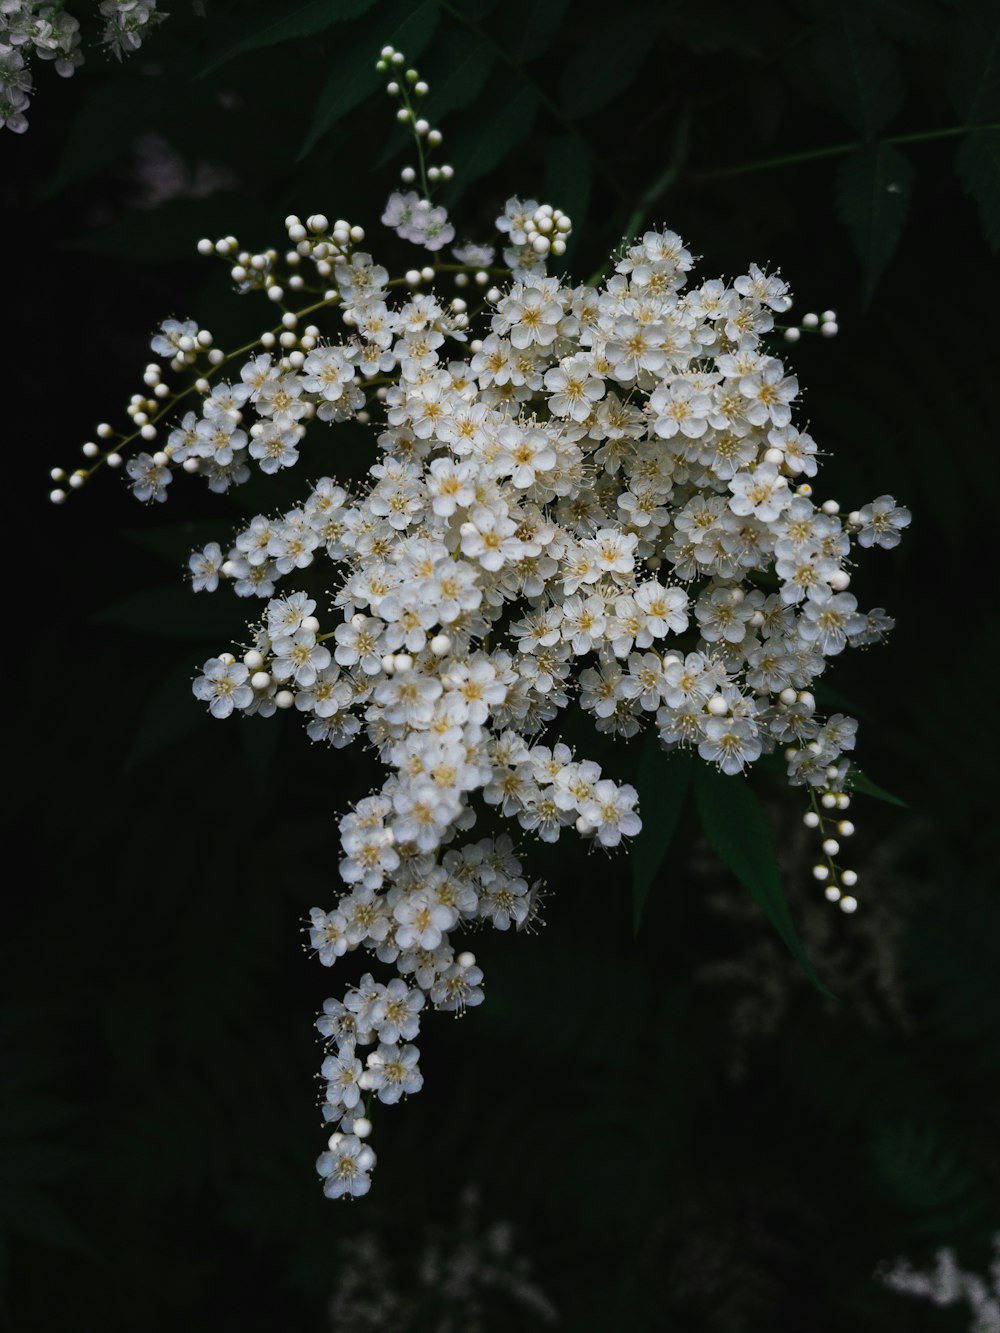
(175, 613)
(568, 171)
(978, 167)
(484, 141)
(304, 21)
(973, 79)
(829, 698)
(739, 834)
(604, 67)
(456, 71)
(873, 193)
(170, 713)
(663, 781)
(858, 66)
(353, 77)
(928, 1175)
(534, 25)
(860, 782)
(915, 22)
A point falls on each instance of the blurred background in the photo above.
(670, 1131)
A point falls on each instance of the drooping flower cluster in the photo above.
(601, 499)
(45, 30)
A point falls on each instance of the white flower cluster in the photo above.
(48, 32)
(948, 1284)
(602, 500)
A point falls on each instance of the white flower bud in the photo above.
(831, 846)
(821, 872)
(850, 878)
(717, 706)
(831, 893)
(362, 1127)
(466, 959)
(310, 624)
(440, 645)
(284, 699)
(253, 659)
(848, 904)
(811, 819)
(260, 680)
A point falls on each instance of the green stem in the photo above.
(835, 150)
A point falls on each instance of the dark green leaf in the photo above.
(456, 70)
(974, 69)
(915, 22)
(873, 193)
(352, 74)
(858, 66)
(170, 713)
(927, 1174)
(663, 781)
(176, 613)
(860, 782)
(567, 178)
(602, 69)
(483, 141)
(829, 698)
(704, 29)
(739, 834)
(978, 166)
(533, 25)
(303, 21)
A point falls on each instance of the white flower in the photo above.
(345, 1167)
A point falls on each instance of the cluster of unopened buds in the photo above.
(581, 495)
(46, 31)
(825, 325)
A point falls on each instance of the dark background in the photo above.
(679, 1130)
